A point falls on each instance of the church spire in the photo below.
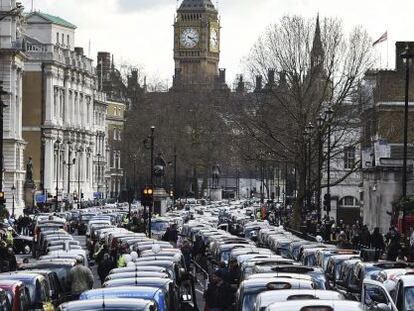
(317, 53)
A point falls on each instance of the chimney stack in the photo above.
(259, 85)
(79, 51)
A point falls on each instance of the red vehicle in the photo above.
(18, 294)
(408, 223)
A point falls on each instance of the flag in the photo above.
(383, 38)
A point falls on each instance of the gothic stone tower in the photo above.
(196, 43)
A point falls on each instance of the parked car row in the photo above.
(276, 266)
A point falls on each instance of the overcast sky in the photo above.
(141, 32)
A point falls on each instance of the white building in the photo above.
(11, 70)
(346, 172)
(61, 122)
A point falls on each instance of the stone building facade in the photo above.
(382, 146)
(111, 83)
(60, 105)
(12, 58)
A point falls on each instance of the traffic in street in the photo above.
(215, 257)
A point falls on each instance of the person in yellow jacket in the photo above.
(123, 260)
(9, 237)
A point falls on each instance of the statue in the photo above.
(29, 170)
(159, 169)
(216, 172)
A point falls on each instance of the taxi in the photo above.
(249, 289)
(119, 304)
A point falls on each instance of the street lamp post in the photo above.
(80, 150)
(407, 57)
(328, 113)
(309, 194)
(57, 149)
(320, 164)
(174, 164)
(99, 173)
(69, 164)
(13, 189)
(152, 179)
(305, 170)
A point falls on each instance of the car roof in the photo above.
(107, 304)
(258, 282)
(408, 280)
(141, 281)
(343, 305)
(269, 297)
(147, 292)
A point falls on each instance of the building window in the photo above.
(115, 134)
(62, 105)
(57, 38)
(348, 201)
(349, 157)
(68, 41)
(63, 38)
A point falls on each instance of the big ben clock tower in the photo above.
(196, 42)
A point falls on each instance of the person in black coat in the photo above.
(218, 295)
(105, 266)
(377, 240)
(393, 249)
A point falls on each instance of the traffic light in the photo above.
(147, 196)
(2, 198)
(82, 195)
(171, 193)
(327, 202)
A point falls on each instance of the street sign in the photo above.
(41, 198)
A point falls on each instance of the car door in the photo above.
(374, 293)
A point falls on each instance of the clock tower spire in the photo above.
(196, 43)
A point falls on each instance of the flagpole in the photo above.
(387, 50)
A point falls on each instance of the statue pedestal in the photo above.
(160, 201)
(29, 190)
(216, 194)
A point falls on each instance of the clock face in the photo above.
(189, 38)
(214, 43)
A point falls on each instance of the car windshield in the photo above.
(159, 226)
(248, 301)
(310, 260)
(225, 256)
(409, 298)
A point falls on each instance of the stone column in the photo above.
(49, 165)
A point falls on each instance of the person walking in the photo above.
(218, 295)
(377, 240)
(105, 266)
(394, 248)
(80, 279)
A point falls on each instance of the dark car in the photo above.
(5, 304)
(118, 304)
(334, 268)
(55, 289)
(17, 293)
(60, 266)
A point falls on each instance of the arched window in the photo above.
(349, 201)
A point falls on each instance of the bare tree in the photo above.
(319, 66)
